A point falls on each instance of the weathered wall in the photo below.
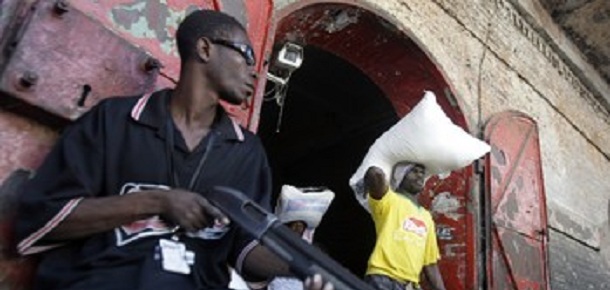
(498, 56)
(576, 267)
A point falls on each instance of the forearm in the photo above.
(434, 277)
(95, 215)
(262, 264)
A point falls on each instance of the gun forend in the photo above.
(304, 259)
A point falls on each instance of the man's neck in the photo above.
(192, 112)
(193, 108)
(411, 196)
(193, 105)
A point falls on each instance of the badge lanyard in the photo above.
(173, 175)
(169, 147)
(175, 257)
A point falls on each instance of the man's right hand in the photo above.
(189, 210)
(186, 209)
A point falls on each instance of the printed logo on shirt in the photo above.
(415, 226)
(153, 226)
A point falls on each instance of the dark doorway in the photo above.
(360, 72)
(332, 114)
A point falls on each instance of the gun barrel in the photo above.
(304, 259)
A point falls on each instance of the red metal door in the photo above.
(515, 204)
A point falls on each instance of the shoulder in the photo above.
(428, 216)
(115, 105)
(247, 138)
(250, 138)
(100, 115)
(110, 107)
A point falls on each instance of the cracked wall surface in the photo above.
(587, 23)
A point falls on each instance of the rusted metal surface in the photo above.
(8, 11)
(151, 25)
(12, 15)
(517, 254)
(65, 62)
(15, 272)
(402, 71)
(24, 145)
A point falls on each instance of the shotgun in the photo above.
(304, 259)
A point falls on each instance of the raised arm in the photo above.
(375, 182)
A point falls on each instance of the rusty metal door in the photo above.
(63, 62)
(515, 205)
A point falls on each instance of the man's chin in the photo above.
(415, 190)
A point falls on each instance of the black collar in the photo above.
(152, 110)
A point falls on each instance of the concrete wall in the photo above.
(506, 55)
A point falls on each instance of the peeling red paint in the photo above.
(55, 68)
(157, 24)
(24, 143)
(24, 146)
(517, 208)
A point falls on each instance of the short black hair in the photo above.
(203, 23)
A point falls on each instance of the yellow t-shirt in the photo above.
(406, 238)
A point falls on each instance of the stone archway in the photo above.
(359, 76)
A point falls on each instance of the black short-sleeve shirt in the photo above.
(119, 147)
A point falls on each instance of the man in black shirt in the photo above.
(119, 203)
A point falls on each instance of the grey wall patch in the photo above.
(237, 9)
(447, 204)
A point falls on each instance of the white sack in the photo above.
(425, 135)
(308, 204)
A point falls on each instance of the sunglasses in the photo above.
(245, 50)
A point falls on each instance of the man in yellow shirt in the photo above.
(406, 238)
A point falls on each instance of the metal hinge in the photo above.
(479, 166)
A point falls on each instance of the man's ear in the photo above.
(204, 47)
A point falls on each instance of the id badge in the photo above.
(175, 258)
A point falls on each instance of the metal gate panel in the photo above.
(150, 25)
(23, 147)
(65, 62)
(516, 209)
